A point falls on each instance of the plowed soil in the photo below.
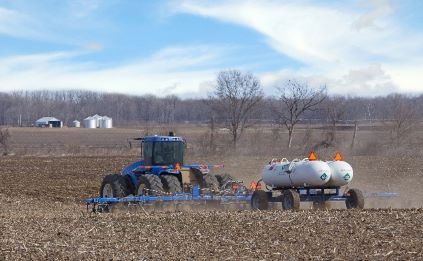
(42, 216)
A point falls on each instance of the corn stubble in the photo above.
(42, 217)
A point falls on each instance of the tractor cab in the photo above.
(163, 150)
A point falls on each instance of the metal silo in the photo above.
(76, 124)
(97, 119)
(90, 123)
(106, 123)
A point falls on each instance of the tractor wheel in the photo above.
(114, 186)
(355, 199)
(259, 200)
(224, 179)
(210, 181)
(291, 200)
(171, 183)
(149, 184)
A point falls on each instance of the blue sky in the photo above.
(177, 47)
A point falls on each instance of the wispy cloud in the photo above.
(331, 41)
(175, 70)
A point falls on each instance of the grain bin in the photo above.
(76, 124)
(97, 119)
(90, 123)
(105, 122)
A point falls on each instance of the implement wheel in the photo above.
(171, 183)
(149, 184)
(291, 200)
(355, 199)
(259, 200)
(115, 186)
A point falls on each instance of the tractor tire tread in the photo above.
(152, 183)
(171, 183)
(119, 185)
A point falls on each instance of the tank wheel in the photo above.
(355, 199)
(149, 184)
(171, 183)
(291, 200)
(114, 186)
(210, 181)
(259, 200)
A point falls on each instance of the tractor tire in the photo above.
(149, 184)
(224, 179)
(355, 199)
(171, 184)
(115, 186)
(210, 182)
(291, 200)
(259, 200)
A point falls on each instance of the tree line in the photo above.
(237, 102)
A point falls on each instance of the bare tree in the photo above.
(404, 118)
(236, 96)
(295, 99)
(5, 140)
(334, 108)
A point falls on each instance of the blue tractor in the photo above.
(162, 171)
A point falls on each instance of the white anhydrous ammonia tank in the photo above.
(342, 173)
(298, 173)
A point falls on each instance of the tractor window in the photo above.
(168, 153)
(148, 153)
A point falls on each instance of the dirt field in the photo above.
(42, 215)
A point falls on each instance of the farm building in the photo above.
(49, 122)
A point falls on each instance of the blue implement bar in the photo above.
(175, 197)
(194, 195)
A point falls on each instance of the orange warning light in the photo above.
(178, 166)
(338, 156)
(312, 156)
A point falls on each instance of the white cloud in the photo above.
(340, 44)
(176, 70)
